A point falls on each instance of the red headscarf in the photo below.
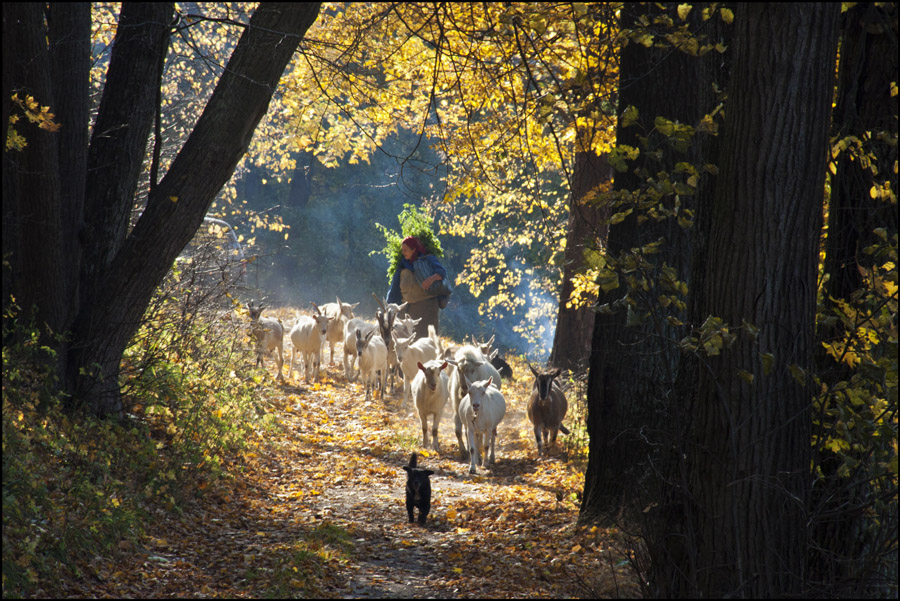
(413, 243)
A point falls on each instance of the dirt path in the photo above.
(320, 512)
(480, 539)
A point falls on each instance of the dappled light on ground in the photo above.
(317, 509)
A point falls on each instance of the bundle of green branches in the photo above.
(413, 222)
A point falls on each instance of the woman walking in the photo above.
(424, 297)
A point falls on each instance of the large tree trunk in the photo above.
(32, 208)
(742, 531)
(121, 129)
(176, 207)
(98, 298)
(841, 518)
(69, 35)
(633, 364)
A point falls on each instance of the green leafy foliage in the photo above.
(68, 484)
(413, 222)
(75, 488)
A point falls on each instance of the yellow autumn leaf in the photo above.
(684, 10)
(727, 15)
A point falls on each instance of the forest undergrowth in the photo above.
(313, 505)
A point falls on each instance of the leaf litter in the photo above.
(317, 509)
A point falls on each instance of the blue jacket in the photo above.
(394, 295)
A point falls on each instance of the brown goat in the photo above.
(547, 407)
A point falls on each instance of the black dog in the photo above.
(418, 490)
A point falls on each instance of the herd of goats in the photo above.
(432, 375)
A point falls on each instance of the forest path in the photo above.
(320, 511)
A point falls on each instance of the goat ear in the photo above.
(422, 367)
(494, 354)
(533, 370)
(428, 472)
(406, 468)
(444, 365)
(555, 373)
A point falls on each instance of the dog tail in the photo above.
(413, 460)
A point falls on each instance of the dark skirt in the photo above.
(428, 311)
(421, 305)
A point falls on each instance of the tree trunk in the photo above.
(743, 531)
(572, 339)
(76, 265)
(32, 209)
(119, 140)
(591, 178)
(633, 364)
(175, 209)
(864, 107)
(69, 35)
(841, 519)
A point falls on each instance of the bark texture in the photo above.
(742, 526)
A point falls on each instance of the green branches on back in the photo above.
(413, 222)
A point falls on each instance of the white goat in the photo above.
(269, 334)
(470, 362)
(307, 336)
(350, 343)
(430, 390)
(484, 347)
(340, 313)
(481, 411)
(372, 359)
(405, 327)
(410, 353)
